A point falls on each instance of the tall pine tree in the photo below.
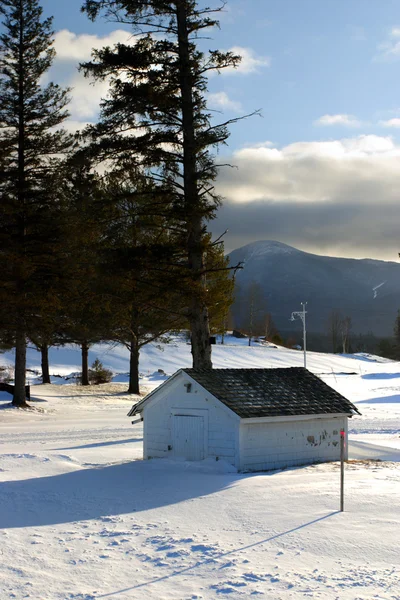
(156, 115)
(86, 309)
(137, 258)
(30, 144)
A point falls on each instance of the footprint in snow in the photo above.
(228, 564)
(236, 584)
(253, 577)
(65, 457)
(110, 519)
(177, 553)
(204, 549)
(228, 587)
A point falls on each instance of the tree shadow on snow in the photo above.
(101, 444)
(381, 400)
(368, 451)
(218, 556)
(103, 491)
(381, 376)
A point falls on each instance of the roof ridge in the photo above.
(267, 392)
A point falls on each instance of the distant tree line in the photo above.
(250, 316)
(103, 235)
(389, 347)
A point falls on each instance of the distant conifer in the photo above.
(31, 144)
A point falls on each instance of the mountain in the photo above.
(366, 290)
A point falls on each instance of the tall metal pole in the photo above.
(304, 334)
(302, 316)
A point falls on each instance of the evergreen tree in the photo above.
(396, 329)
(137, 256)
(30, 141)
(219, 290)
(86, 311)
(156, 114)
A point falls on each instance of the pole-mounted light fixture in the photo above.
(302, 315)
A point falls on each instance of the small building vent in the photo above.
(188, 387)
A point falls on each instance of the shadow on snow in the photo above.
(103, 491)
(214, 558)
(381, 400)
(381, 376)
(101, 444)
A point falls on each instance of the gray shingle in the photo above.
(272, 392)
(268, 392)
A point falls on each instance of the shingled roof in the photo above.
(272, 392)
(269, 392)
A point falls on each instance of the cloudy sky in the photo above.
(320, 169)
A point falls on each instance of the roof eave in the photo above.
(308, 417)
(139, 406)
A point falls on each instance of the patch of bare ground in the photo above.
(365, 463)
(103, 389)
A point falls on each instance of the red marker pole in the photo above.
(342, 449)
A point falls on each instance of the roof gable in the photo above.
(138, 407)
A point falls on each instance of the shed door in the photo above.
(188, 437)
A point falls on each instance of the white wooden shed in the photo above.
(255, 419)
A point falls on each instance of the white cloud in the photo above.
(390, 49)
(221, 101)
(86, 97)
(340, 196)
(341, 119)
(73, 47)
(365, 167)
(265, 144)
(73, 126)
(395, 123)
(250, 62)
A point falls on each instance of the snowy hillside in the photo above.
(83, 517)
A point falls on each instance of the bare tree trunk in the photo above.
(198, 311)
(251, 320)
(44, 351)
(134, 353)
(223, 332)
(19, 398)
(85, 364)
(134, 367)
(346, 327)
(268, 327)
(335, 327)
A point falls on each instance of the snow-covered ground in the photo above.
(83, 517)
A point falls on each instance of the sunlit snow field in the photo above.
(83, 517)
